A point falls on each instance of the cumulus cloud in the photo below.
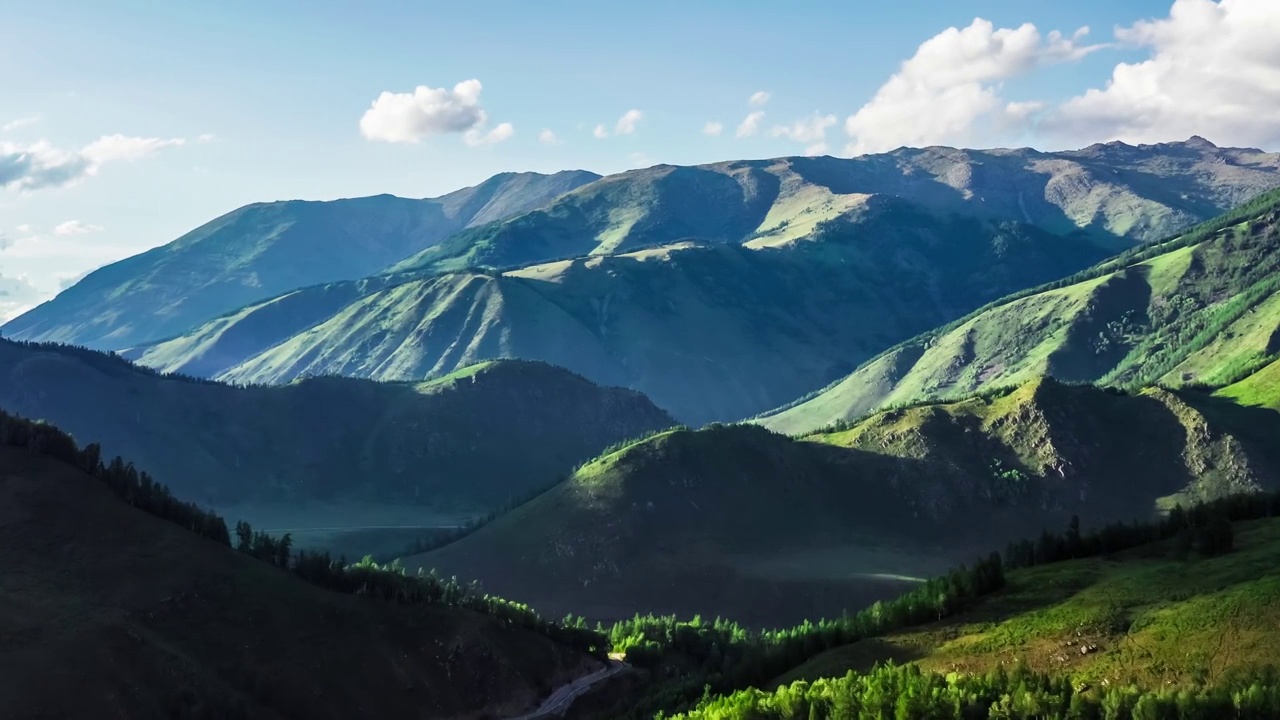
(758, 99)
(477, 137)
(750, 125)
(600, 132)
(812, 131)
(20, 122)
(411, 116)
(547, 137)
(713, 128)
(1213, 70)
(627, 123)
(40, 165)
(75, 227)
(952, 83)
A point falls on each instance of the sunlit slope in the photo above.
(1144, 615)
(474, 440)
(1201, 309)
(745, 523)
(266, 249)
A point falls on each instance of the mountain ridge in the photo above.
(263, 249)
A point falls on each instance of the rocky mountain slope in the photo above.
(265, 249)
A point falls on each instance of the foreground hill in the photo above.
(1203, 309)
(741, 522)
(264, 249)
(1115, 194)
(107, 611)
(472, 441)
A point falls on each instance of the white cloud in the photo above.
(23, 228)
(951, 85)
(410, 117)
(1213, 70)
(627, 123)
(477, 137)
(758, 99)
(812, 131)
(75, 227)
(20, 122)
(713, 128)
(206, 138)
(750, 125)
(547, 137)
(40, 165)
(600, 132)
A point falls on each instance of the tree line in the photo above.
(905, 693)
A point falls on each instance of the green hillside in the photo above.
(1200, 309)
(709, 332)
(1115, 193)
(109, 611)
(1144, 615)
(470, 442)
(266, 249)
(741, 522)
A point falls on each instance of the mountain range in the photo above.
(722, 291)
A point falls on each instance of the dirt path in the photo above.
(561, 699)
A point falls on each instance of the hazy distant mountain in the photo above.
(1203, 308)
(473, 441)
(264, 249)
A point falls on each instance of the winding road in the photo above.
(560, 700)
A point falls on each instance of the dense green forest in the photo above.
(906, 693)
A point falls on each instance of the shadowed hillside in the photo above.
(265, 249)
(197, 630)
(473, 441)
(1201, 309)
(741, 522)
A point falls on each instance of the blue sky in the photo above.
(137, 121)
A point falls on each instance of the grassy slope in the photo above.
(473, 441)
(1201, 309)
(755, 526)
(266, 249)
(1154, 619)
(199, 628)
(709, 332)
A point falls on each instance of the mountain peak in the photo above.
(1198, 142)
